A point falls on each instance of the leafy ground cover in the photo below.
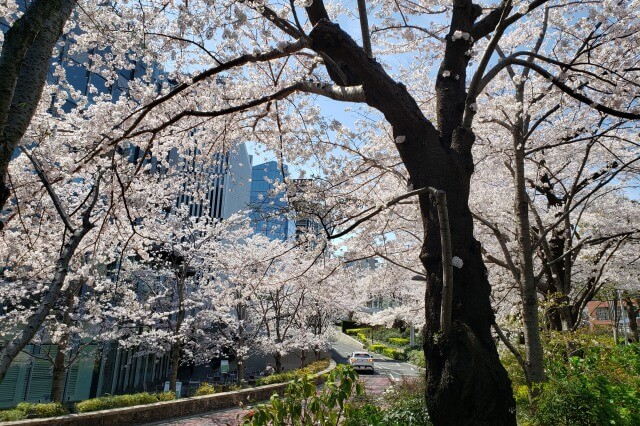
(343, 400)
(26, 410)
(590, 381)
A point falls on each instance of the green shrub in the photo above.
(33, 410)
(362, 337)
(377, 347)
(166, 396)
(363, 414)
(399, 341)
(11, 415)
(347, 325)
(51, 409)
(278, 378)
(118, 401)
(205, 389)
(406, 404)
(301, 403)
(590, 381)
(384, 334)
(356, 331)
(416, 357)
(394, 353)
(312, 368)
(318, 366)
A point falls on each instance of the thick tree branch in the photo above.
(556, 82)
(364, 27)
(483, 27)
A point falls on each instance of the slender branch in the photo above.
(364, 27)
(47, 185)
(475, 85)
(447, 264)
(513, 350)
(381, 208)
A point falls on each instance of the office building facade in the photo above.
(270, 211)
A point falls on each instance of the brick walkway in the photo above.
(374, 385)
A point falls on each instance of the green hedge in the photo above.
(206, 389)
(377, 347)
(33, 410)
(590, 381)
(399, 341)
(394, 353)
(118, 401)
(356, 331)
(312, 368)
(416, 357)
(362, 337)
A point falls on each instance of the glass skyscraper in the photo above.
(270, 211)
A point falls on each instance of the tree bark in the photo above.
(59, 367)
(616, 319)
(24, 64)
(177, 344)
(466, 383)
(277, 357)
(528, 290)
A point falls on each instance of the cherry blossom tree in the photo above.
(254, 71)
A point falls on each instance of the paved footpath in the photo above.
(374, 385)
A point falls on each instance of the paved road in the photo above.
(383, 365)
(386, 372)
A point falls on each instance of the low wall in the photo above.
(168, 409)
(345, 338)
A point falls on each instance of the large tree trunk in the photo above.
(59, 368)
(616, 319)
(24, 63)
(466, 383)
(177, 345)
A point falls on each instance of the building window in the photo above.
(602, 314)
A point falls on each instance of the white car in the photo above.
(361, 361)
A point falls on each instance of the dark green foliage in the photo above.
(302, 404)
(591, 381)
(346, 325)
(416, 357)
(407, 405)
